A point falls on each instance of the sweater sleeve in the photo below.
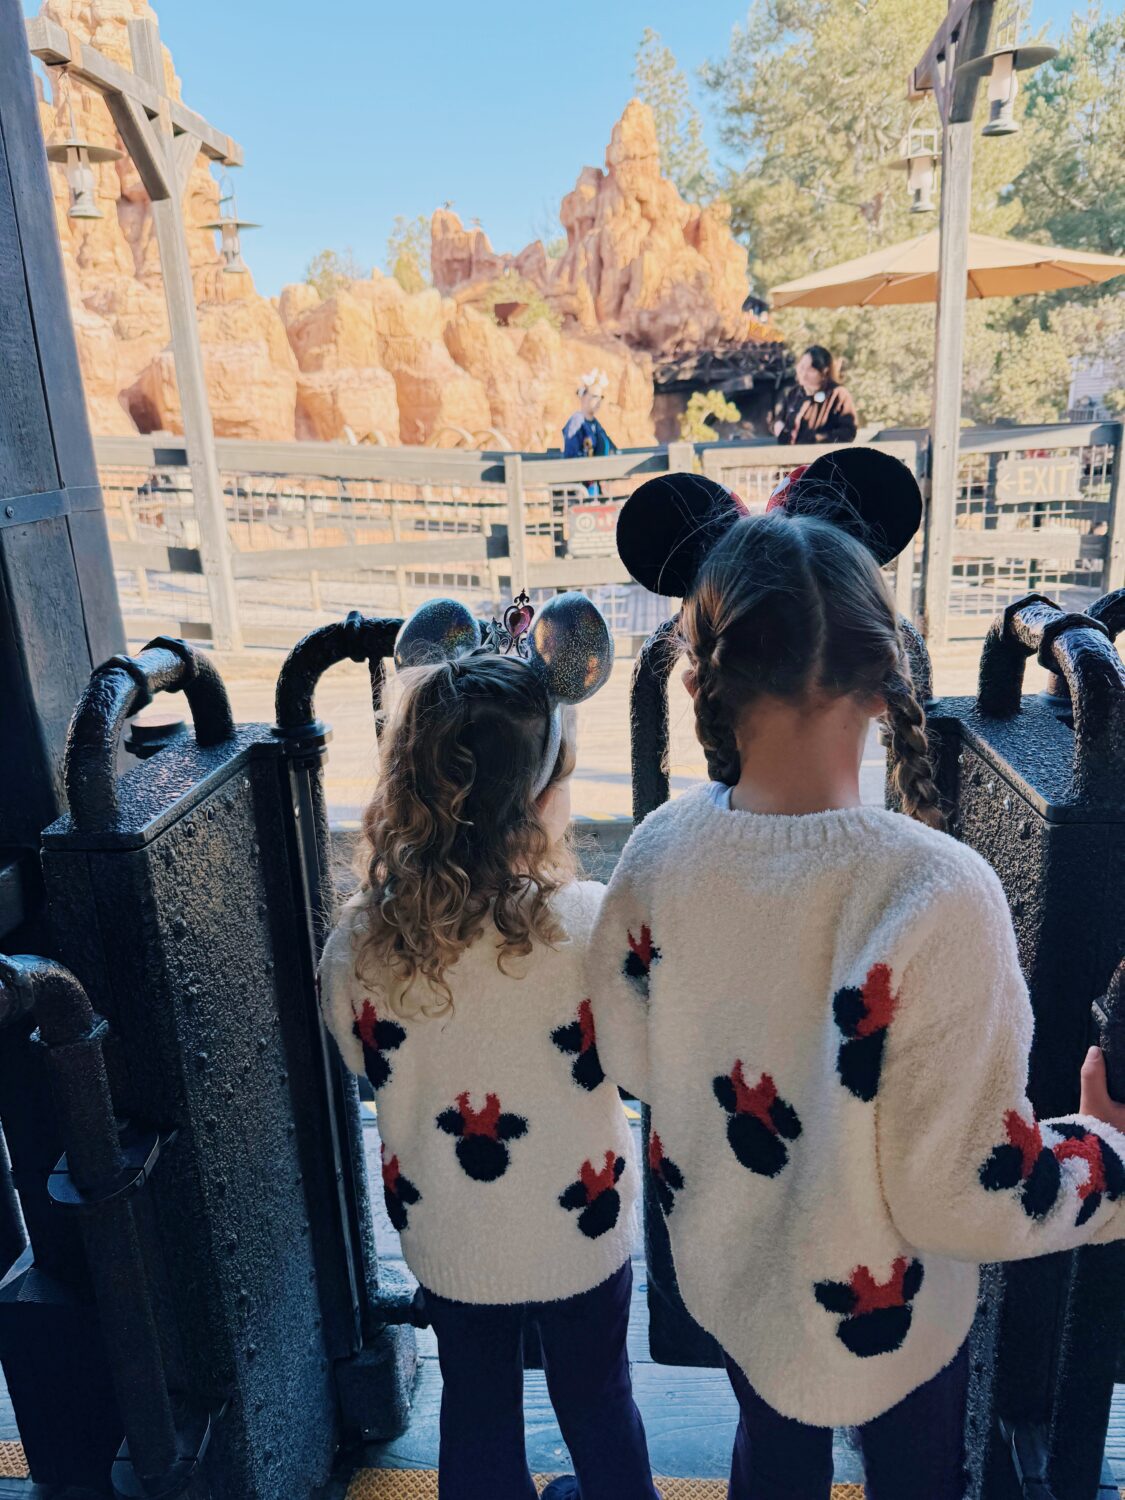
(618, 964)
(967, 1169)
(338, 989)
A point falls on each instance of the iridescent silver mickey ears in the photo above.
(566, 643)
(439, 630)
(571, 647)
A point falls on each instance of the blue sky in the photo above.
(353, 111)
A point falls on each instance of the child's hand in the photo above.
(1096, 1099)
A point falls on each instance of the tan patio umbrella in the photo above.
(909, 273)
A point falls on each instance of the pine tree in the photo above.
(408, 252)
(661, 84)
(811, 105)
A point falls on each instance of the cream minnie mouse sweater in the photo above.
(508, 1167)
(828, 1019)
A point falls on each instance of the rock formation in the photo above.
(643, 273)
(640, 263)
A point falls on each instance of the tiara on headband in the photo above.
(670, 523)
(567, 645)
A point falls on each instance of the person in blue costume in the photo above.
(584, 436)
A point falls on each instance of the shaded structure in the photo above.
(752, 373)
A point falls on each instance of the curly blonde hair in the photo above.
(453, 835)
(785, 605)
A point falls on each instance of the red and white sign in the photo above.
(593, 528)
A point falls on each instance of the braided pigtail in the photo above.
(713, 727)
(912, 772)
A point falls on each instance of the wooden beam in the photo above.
(540, 471)
(142, 142)
(156, 556)
(1113, 575)
(48, 41)
(923, 77)
(56, 47)
(457, 550)
(576, 573)
(517, 521)
(1056, 544)
(185, 148)
(1049, 435)
(199, 435)
(945, 424)
(962, 34)
(214, 143)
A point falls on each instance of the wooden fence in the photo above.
(318, 528)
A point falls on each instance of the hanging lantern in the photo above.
(80, 157)
(1006, 61)
(229, 226)
(919, 159)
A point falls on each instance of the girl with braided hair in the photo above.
(453, 981)
(821, 1003)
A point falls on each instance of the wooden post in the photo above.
(681, 458)
(396, 533)
(129, 522)
(179, 292)
(517, 521)
(968, 28)
(953, 267)
(310, 538)
(1114, 575)
(58, 595)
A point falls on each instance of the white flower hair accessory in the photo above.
(594, 383)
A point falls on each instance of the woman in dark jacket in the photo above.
(821, 410)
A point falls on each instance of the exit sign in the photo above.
(1049, 477)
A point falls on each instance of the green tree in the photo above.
(695, 420)
(679, 130)
(408, 252)
(330, 270)
(810, 106)
(1071, 189)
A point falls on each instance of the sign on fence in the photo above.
(593, 528)
(1050, 476)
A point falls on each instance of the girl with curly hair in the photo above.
(454, 980)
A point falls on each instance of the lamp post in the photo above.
(229, 226)
(80, 157)
(1003, 65)
(920, 156)
(951, 69)
(163, 137)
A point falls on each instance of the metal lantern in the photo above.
(1003, 65)
(229, 226)
(919, 159)
(80, 157)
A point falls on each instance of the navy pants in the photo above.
(917, 1448)
(480, 1349)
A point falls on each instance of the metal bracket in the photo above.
(1028, 1444)
(405, 1307)
(140, 1148)
(193, 1434)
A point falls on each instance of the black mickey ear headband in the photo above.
(669, 524)
(566, 643)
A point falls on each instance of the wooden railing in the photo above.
(316, 528)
